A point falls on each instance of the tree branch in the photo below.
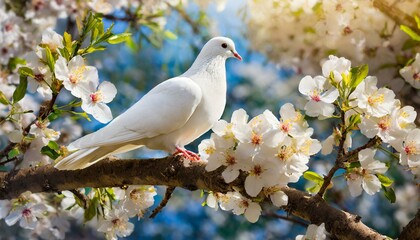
(172, 172)
(412, 229)
(400, 17)
(163, 203)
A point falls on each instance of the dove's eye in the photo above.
(224, 45)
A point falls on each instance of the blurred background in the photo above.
(280, 41)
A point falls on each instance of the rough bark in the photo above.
(412, 230)
(172, 172)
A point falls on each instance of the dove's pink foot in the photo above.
(192, 156)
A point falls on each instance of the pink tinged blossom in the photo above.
(252, 136)
(138, 199)
(320, 96)
(116, 224)
(218, 151)
(41, 130)
(381, 127)
(410, 151)
(41, 81)
(95, 102)
(364, 176)
(242, 205)
(411, 73)
(291, 122)
(27, 215)
(260, 174)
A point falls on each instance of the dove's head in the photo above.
(220, 46)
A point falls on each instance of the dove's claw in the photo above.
(192, 156)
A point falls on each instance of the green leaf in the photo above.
(13, 153)
(54, 115)
(352, 165)
(67, 42)
(3, 99)
(389, 194)
(26, 72)
(80, 115)
(313, 189)
(13, 62)
(50, 59)
(169, 35)
(91, 209)
(65, 53)
(20, 91)
(410, 32)
(131, 44)
(53, 145)
(385, 181)
(357, 75)
(409, 44)
(78, 201)
(354, 120)
(313, 176)
(119, 38)
(417, 19)
(48, 151)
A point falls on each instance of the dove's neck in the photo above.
(212, 67)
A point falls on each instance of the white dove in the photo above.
(168, 117)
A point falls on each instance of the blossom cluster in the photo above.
(50, 220)
(272, 152)
(378, 114)
(308, 31)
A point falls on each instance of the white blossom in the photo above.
(291, 122)
(373, 101)
(77, 77)
(336, 66)
(27, 215)
(52, 39)
(364, 176)
(138, 199)
(242, 205)
(410, 151)
(334, 140)
(314, 232)
(411, 73)
(5, 206)
(95, 102)
(262, 173)
(225, 129)
(41, 82)
(116, 224)
(320, 94)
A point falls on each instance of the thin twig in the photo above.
(168, 194)
(287, 218)
(338, 161)
(82, 197)
(393, 12)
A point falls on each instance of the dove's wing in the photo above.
(164, 109)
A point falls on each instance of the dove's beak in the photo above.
(236, 55)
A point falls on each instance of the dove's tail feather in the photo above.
(85, 157)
